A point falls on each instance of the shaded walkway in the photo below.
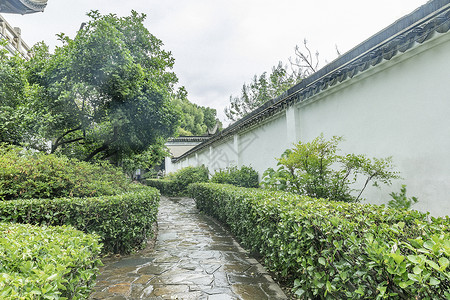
(194, 258)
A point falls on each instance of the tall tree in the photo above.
(108, 90)
(19, 121)
(266, 87)
(195, 119)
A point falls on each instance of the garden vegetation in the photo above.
(309, 228)
(336, 250)
(176, 184)
(58, 216)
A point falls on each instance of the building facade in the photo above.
(389, 96)
(12, 35)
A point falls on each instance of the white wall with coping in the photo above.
(398, 108)
(262, 144)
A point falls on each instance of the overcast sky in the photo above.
(218, 45)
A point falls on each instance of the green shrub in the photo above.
(123, 221)
(336, 250)
(165, 186)
(27, 174)
(245, 177)
(175, 184)
(47, 262)
(400, 201)
(315, 169)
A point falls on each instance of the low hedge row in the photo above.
(123, 221)
(46, 262)
(336, 250)
(27, 174)
(176, 184)
(167, 187)
(243, 176)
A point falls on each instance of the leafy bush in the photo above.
(165, 186)
(123, 221)
(314, 169)
(26, 174)
(400, 201)
(245, 177)
(47, 262)
(175, 184)
(336, 250)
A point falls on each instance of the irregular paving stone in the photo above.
(273, 291)
(221, 279)
(167, 291)
(194, 257)
(121, 288)
(153, 269)
(210, 269)
(249, 292)
(236, 268)
(221, 297)
(143, 279)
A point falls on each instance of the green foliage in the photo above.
(262, 89)
(147, 159)
(47, 262)
(19, 120)
(400, 201)
(31, 174)
(316, 170)
(336, 250)
(195, 119)
(123, 222)
(176, 184)
(244, 176)
(107, 91)
(166, 187)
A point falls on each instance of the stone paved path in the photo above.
(194, 258)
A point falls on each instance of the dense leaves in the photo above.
(336, 250)
(47, 262)
(31, 174)
(195, 119)
(266, 87)
(400, 201)
(123, 222)
(262, 89)
(243, 176)
(107, 90)
(176, 184)
(19, 120)
(317, 170)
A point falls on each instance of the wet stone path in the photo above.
(193, 258)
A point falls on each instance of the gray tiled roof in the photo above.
(22, 6)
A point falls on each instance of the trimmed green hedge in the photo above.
(123, 221)
(336, 250)
(25, 174)
(243, 176)
(165, 186)
(47, 262)
(176, 184)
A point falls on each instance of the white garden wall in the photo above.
(399, 107)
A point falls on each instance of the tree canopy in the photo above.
(107, 91)
(269, 86)
(195, 119)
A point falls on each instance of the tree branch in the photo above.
(58, 143)
(103, 147)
